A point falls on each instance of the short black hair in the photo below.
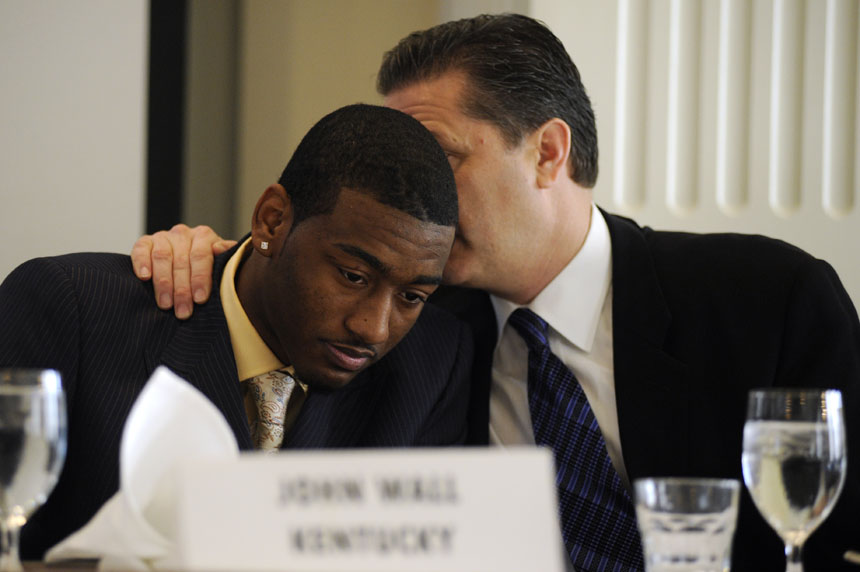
(376, 150)
(519, 77)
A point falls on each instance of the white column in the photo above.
(733, 106)
(840, 77)
(683, 107)
(629, 161)
(786, 92)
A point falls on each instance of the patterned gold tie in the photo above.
(271, 392)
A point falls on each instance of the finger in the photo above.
(202, 257)
(141, 257)
(180, 242)
(205, 245)
(162, 270)
(223, 246)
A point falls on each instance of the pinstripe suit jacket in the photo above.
(698, 320)
(89, 317)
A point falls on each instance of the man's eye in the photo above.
(414, 298)
(352, 277)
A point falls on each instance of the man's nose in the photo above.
(369, 319)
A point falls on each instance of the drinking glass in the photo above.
(32, 450)
(794, 460)
(687, 524)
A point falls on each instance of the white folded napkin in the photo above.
(170, 422)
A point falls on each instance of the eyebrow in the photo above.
(383, 268)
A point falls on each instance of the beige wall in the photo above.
(72, 120)
(209, 177)
(301, 60)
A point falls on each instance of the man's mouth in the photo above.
(348, 357)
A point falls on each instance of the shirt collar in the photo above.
(572, 302)
(253, 356)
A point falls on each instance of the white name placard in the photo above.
(451, 510)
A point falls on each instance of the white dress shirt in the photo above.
(577, 304)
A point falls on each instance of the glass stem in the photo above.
(793, 561)
(9, 533)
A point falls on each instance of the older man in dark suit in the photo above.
(343, 253)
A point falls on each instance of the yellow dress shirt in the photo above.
(253, 356)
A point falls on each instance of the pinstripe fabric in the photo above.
(474, 308)
(598, 521)
(89, 317)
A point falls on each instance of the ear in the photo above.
(552, 140)
(272, 220)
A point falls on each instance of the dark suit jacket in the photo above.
(89, 317)
(698, 320)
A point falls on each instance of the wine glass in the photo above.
(794, 460)
(32, 450)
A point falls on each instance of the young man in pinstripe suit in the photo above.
(330, 284)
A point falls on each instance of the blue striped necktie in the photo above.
(598, 521)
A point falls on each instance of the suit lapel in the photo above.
(201, 352)
(338, 419)
(651, 385)
(474, 308)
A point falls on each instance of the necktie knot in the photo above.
(531, 327)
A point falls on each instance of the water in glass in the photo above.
(32, 450)
(794, 461)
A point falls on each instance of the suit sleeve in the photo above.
(822, 349)
(38, 311)
(447, 421)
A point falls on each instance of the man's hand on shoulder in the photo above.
(179, 262)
